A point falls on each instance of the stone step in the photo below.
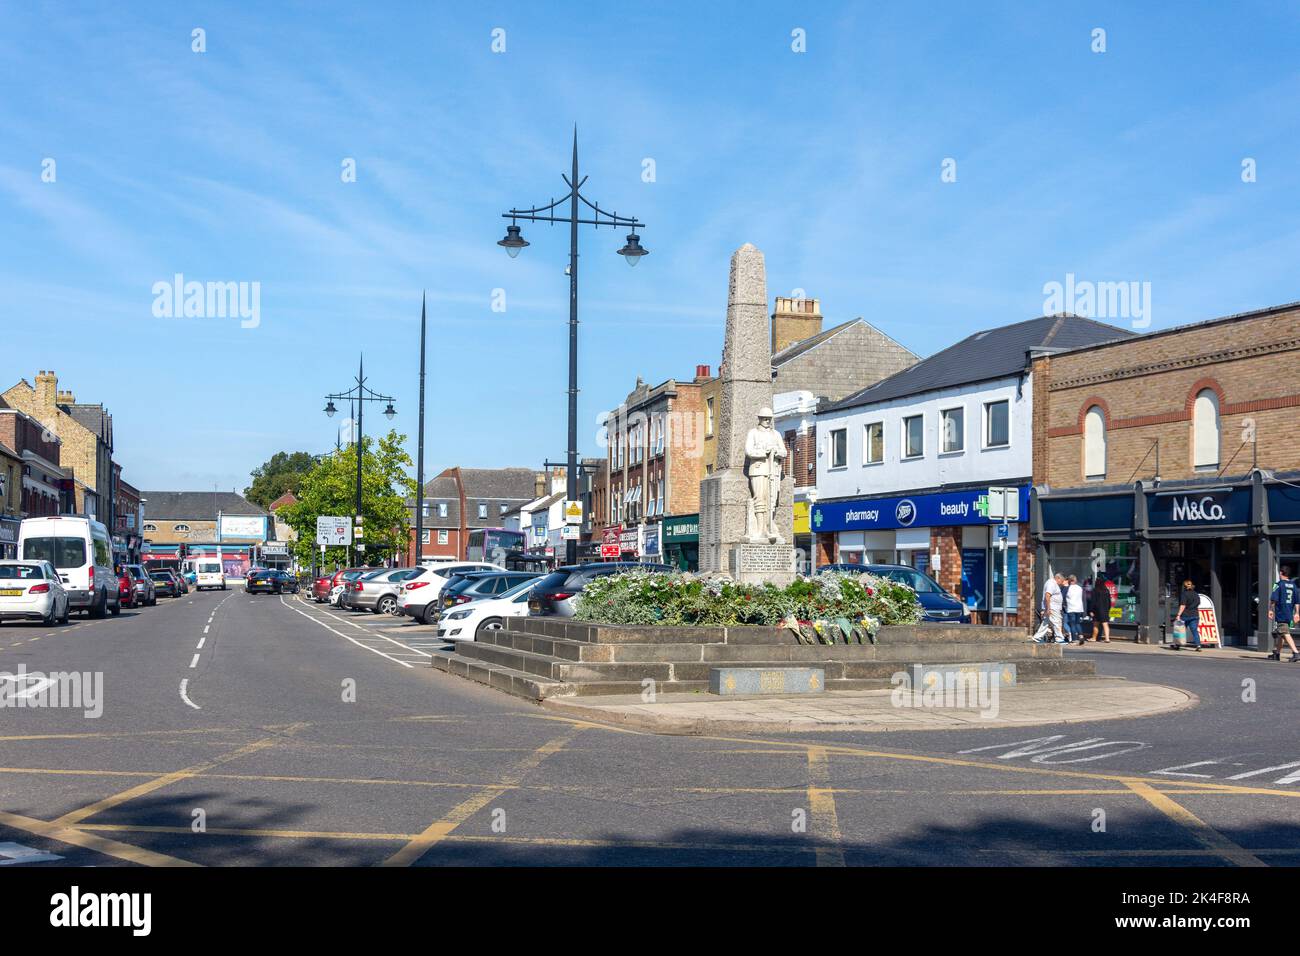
(506, 679)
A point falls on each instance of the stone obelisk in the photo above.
(725, 498)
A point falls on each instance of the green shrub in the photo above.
(823, 608)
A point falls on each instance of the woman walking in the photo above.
(1189, 612)
(1099, 604)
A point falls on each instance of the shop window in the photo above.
(1094, 444)
(839, 448)
(953, 427)
(873, 444)
(1205, 431)
(914, 436)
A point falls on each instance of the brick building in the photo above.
(85, 434)
(459, 500)
(182, 524)
(1172, 456)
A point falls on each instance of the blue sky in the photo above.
(225, 166)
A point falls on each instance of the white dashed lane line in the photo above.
(313, 618)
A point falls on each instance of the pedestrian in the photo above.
(1284, 612)
(1074, 610)
(1051, 611)
(1100, 606)
(1189, 612)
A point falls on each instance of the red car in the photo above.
(320, 588)
(125, 588)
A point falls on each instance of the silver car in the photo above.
(376, 591)
(32, 591)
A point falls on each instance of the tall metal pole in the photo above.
(571, 546)
(361, 406)
(419, 464)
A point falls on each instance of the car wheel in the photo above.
(386, 605)
(67, 609)
(100, 608)
(491, 624)
(427, 615)
(116, 609)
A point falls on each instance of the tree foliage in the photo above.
(283, 472)
(329, 488)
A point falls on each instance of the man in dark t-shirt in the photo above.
(1283, 611)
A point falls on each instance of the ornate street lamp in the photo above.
(359, 393)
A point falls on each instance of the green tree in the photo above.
(329, 488)
(283, 472)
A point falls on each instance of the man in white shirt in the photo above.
(1074, 610)
(1052, 601)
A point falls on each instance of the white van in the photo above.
(82, 552)
(209, 574)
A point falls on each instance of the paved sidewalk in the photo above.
(1039, 702)
(1208, 654)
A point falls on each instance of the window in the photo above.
(181, 528)
(149, 528)
(997, 424)
(839, 447)
(442, 509)
(708, 418)
(424, 536)
(503, 509)
(1094, 444)
(873, 444)
(1205, 431)
(442, 535)
(953, 428)
(482, 510)
(914, 436)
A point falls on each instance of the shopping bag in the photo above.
(1180, 630)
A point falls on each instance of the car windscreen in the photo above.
(63, 553)
(914, 579)
(209, 569)
(20, 572)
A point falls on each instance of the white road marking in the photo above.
(403, 646)
(202, 641)
(316, 620)
(185, 696)
(205, 628)
(17, 853)
(195, 662)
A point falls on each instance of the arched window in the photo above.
(1205, 430)
(1094, 444)
(181, 528)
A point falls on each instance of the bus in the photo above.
(492, 544)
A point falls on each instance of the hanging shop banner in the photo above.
(921, 511)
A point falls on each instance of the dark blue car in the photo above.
(937, 605)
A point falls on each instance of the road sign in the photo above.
(1004, 504)
(1004, 530)
(569, 532)
(573, 512)
(333, 530)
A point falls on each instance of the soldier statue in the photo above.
(764, 453)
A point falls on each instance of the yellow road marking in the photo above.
(253, 831)
(821, 804)
(121, 851)
(167, 779)
(1201, 831)
(440, 829)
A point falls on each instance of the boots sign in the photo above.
(1190, 509)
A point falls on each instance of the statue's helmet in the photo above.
(764, 412)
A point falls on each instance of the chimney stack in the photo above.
(702, 373)
(794, 320)
(47, 388)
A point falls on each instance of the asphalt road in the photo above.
(240, 729)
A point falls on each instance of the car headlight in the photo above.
(459, 615)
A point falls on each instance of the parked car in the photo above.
(145, 592)
(164, 583)
(320, 588)
(937, 605)
(209, 573)
(341, 580)
(126, 588)
(478, 585)
(182, 586)
(288, 582)
(191, 578)
(377, 591)
(32, 591)
(82, 552)
(554, 594)
(468, 621)
(419, 593)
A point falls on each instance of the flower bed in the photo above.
(827, 608)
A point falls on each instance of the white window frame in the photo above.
(866, 442)
(961, 437)
(830, 448)
(1217, 409)
(903, 455)
(988, 419)
(442, 536)
(482, 510)
(1100, 417)
(442, 509)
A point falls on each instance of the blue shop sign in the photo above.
(920, 511)
(1284, 504)
(1199, 509)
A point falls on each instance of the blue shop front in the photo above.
(1228, 536)
(948, 535)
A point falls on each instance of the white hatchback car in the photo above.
(416, 594)
(32, 591)
(466, 622)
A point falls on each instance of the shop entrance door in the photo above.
(1181, 561)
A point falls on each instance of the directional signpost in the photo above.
(1004, 507)
(333, 531)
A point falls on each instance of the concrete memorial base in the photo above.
(729, 681)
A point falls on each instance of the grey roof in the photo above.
(795, 349)
(492, 486)
(195, 505)
(516, 484)
(991, 354)
(94, 418)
